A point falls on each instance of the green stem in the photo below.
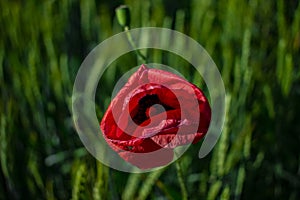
(181, 182)
(140, 56)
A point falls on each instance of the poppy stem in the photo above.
(139, 54)
(181, 181)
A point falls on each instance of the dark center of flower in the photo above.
(143, 106)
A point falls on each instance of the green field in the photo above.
(256, 46)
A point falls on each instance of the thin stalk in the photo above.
(140, 56)
(181, 181)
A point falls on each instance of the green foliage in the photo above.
(256, 46)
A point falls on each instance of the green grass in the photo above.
(255, 45)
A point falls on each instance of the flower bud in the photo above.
(123, 15)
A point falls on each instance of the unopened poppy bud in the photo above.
(123, 15)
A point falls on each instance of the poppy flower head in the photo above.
(155, 112)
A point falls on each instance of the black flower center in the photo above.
(144, 104)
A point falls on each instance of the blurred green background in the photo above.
(254, 43)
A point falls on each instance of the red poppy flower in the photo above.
(155, 112)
